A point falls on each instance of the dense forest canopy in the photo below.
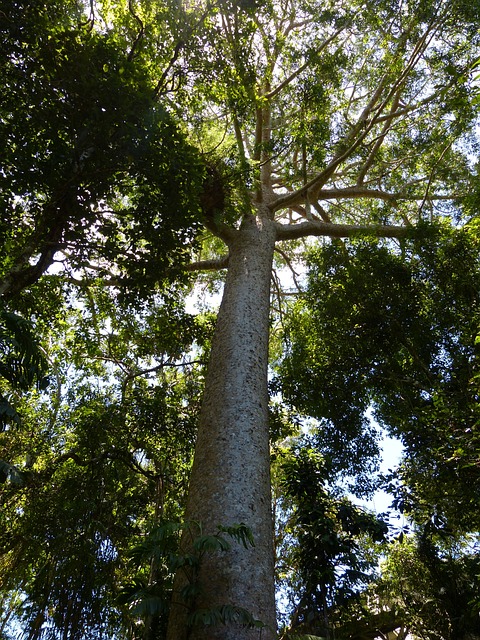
(155, 149)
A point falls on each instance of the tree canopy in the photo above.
(95, 169)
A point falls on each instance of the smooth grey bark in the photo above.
(230, 480)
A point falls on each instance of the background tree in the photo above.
(100, 462)
(398, 333)
(90, 173)
(23, 363)
(324, 560)
(431, 581)
(112, 175)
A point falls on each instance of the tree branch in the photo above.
(348, 193)
(407, 109)
(122, 456)
(274, 92)
(430, 178)
(140, 34)
(378, 143)
(290, 266)
(317, 228)
(378, 194)
(219, 229)
(368, 118)
(214, 264)
(163, 365)
(22, 276)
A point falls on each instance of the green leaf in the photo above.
(239, 532)
(206, 543)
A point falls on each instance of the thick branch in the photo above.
(351, 193)
(122, 456)
(377, 194)
(219, 229)
(386, 128)
(189, 30)
(318, 228)
(374, 625)
(314, 186)
(208, 265)
(21, 277)
(409, 109)
(44, 242)
(163, 365)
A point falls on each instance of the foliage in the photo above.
(96, 175)
(113, 176)
(22, 365)
(432, 584)
(101, 459)
(395, 328)
(163, 551)
(339, 120)
(325, 559)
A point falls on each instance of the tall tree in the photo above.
(443, 570)
(96, 463)
(346, 121)
(329, 562)
(332, 121)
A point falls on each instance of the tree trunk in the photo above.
(230, 481)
